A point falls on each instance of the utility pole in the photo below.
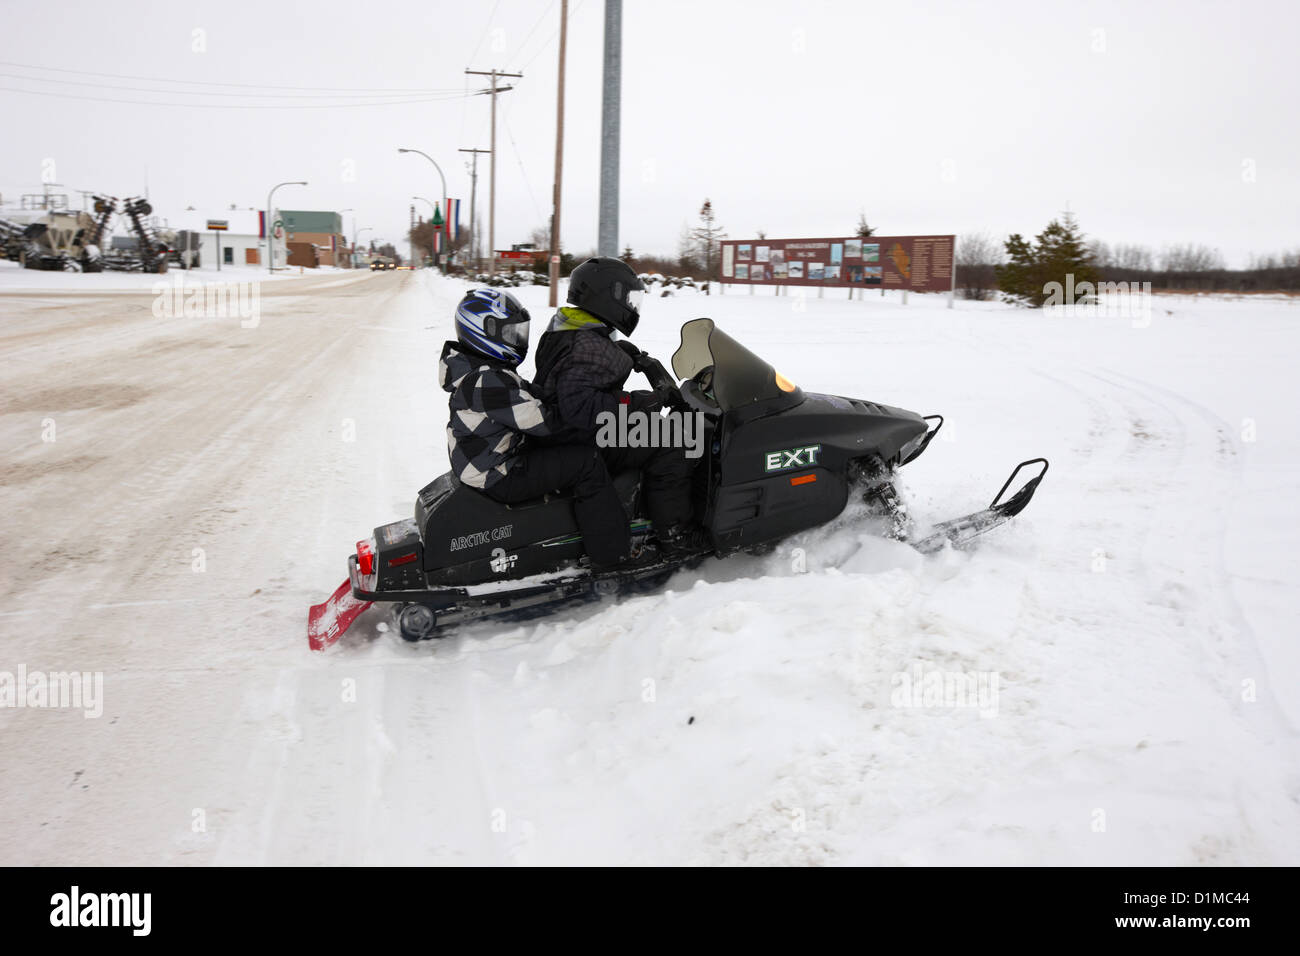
(410, 237)
(492, 188)
(473, 190)
(607, 234)
(559, 161)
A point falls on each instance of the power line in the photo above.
(230, 106)
(273, 96)
(520, 160)
(486, 27)
(492, 191)
(542, 49)
(259, 86)
(538, 22)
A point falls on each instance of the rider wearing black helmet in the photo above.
(501, 433)
(580, 363)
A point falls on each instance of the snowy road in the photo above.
(206, 481)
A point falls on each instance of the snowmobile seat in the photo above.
(626, 484)
(457, 522)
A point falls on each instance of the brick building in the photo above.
(323, 229)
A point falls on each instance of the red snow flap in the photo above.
(327, 622)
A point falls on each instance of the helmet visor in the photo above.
(634, 299)
(515, 335)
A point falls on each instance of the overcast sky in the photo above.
(1156, 122)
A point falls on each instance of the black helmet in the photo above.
(493, 323)
(609, 290)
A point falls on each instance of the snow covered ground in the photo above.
(1132, 633)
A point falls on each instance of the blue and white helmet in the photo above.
(493, 324)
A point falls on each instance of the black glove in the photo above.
(657, 375)
(648, 366)
(632, 351)
(643, 400)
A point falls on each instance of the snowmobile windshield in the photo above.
(731, 373)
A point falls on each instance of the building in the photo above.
(241, 244)
(322, 229)
(522, 257)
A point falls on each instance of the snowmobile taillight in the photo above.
(365, 557)
(803, 479)
(404, 559)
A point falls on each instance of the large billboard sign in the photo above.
(914, 263)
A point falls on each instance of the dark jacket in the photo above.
(581, 367)
(492, 409)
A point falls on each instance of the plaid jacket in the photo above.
(579, 363)
(492, 409)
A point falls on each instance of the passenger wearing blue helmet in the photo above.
(499, 424)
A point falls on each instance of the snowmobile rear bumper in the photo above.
(364, 590)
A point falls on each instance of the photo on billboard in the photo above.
(779, 269)
(796, 269)
(744, 251)
(832, 273)
(871, 252)
(817, 271)
(761, 253)
(728, 261)
(871, 275)
(742, 271)
(853, 249)
(837, 253)
(760, 272)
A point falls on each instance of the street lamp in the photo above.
(356, 237)
(446, 219)
(270, 241)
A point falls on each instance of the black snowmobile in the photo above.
(776, 460)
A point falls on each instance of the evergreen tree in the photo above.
(707, 235)
(1058, 255)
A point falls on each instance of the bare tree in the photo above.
(687, 248)
(1191, 257)
(422, 237)
(864, 231)
(1131, 257)
(978, 255)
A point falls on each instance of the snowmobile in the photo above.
(776, 460)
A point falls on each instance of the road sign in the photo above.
(219, 225)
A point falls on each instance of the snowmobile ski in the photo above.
(962, 531)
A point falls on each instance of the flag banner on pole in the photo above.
(261, 224)
(453, 218)
(437, 241)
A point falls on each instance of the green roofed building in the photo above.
(322, 229)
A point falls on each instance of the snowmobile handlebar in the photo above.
(649, 366)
